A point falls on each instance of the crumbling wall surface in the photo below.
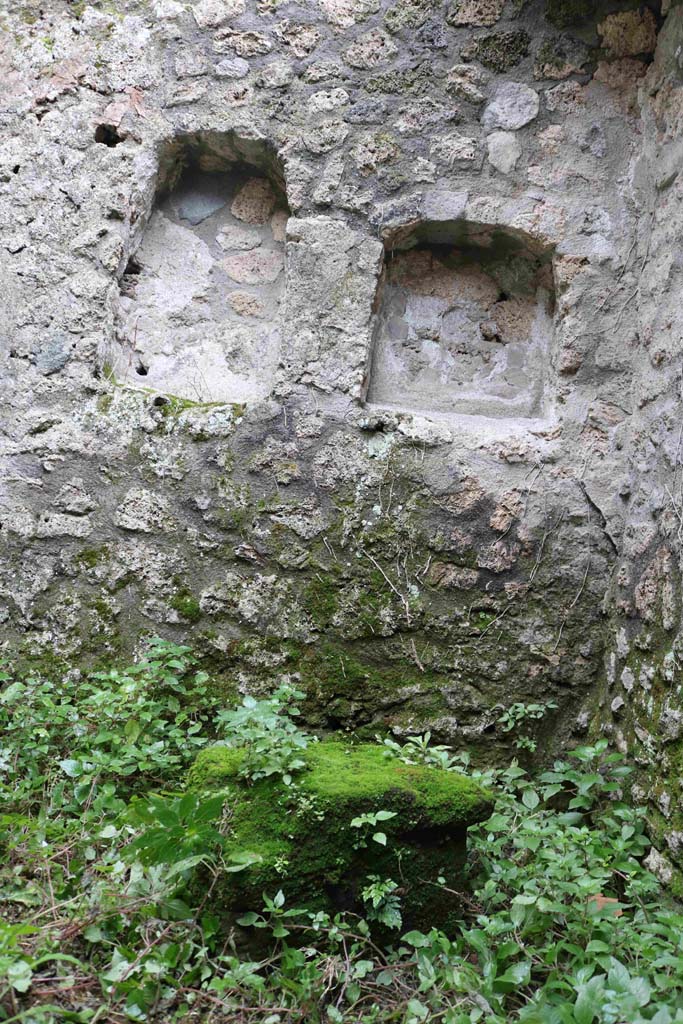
(641, 708)
(369, 424)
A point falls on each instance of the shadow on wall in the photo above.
(199, 309)
(465, 322)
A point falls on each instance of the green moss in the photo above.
(91, 557)
(349, 690)
(174, 405)
(215, 767)
(104, 403)
(306, 845)
(43, 664)
(321, 597)
(186, 604)
(102, 607)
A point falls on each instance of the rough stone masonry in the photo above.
(342, 339)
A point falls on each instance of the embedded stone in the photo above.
(452, 577)
(57, 524)
(258, 267)
(278, 225)
(233, 236)
(198, 204)
(182, 93)
(74, 499)
(327, 136)
(235, 68)
(373, 48)
(254, 202)
(345, 13)
(189, 64)
(559, 58)
(302, 39)
(454, 149)
(245, 44)
(504, 151)
(407, 14)
(245, 304)
(499, 51)
(212, 13)
(499, 556)
(277, 75)
(444, 205)
(372, 151)
(464, 80)
(629, 33)
(54, 353)
(565, 98)
(142, 511)
(330, 179)
(513, 106)
(660, 866)
(475, 12)
(323, 102)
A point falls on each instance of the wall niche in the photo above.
(464, 323)
(199, 309)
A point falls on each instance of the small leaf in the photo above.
(132, 730)
(243, 860)
(530, 799)
(19, 975)
(380, 838)
(248, 919)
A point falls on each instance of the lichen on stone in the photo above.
(498, 51)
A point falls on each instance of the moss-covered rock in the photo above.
(306, 844)
(499, 51)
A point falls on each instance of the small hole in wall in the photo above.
(108, 135)
(130, 277)
(464, 322)
(142, 370)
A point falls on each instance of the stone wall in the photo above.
(340, 337)
(641, 705)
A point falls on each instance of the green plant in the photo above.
(272, 742)
(108, 874)
(420, 750)
(175, 830)
(366, 821)
(381, 902)
(519, 715)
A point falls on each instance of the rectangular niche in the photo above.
(464, 324)
(199, 308)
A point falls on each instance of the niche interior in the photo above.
(464, 322)
(199, 310)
